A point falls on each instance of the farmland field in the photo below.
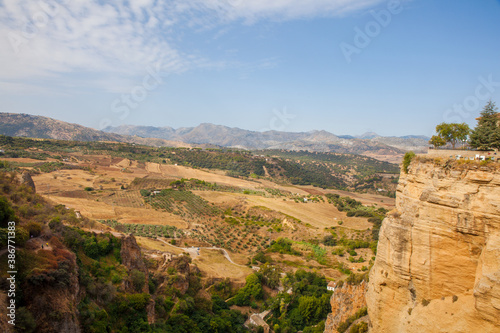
(164, 203)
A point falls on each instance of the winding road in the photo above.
(193, 251)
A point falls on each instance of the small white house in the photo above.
(331, 286)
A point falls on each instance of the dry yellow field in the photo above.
(27, 160)
(169, 171)
(63, 180)
(319, 215)
(154, 244)
(214, 264)
(102, 211)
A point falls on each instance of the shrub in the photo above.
(425, 302)
(407, 160)
(261, 257)
(6, 212)
(338, 251)
(356, 279)
(145, 193)
(22, 236)
(88, 188)
(343, 268)
(25, 321)
(361, 327)
(34, 229)
(343, 326)
(138, 279)
(329, 240)
(284, 246)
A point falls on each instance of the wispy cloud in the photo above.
(100, 43)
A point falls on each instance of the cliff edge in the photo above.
(438, 259)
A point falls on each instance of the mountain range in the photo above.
(370, 144)
(25, 125)
(210, 135)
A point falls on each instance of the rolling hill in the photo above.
(370, 144)
(210, 135)
(25, 125)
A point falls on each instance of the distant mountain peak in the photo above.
(211, 135)
(368, 136)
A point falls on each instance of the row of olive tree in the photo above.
(485, 136)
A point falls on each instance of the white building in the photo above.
(331, 286)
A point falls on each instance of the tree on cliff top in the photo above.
(453, 132)
(486, 135)
(437, 141)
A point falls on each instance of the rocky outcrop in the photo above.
(345, 301)
(54, 304)
(438, 258)
(28, 181)
(132, 259)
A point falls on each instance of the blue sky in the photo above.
(288, 65)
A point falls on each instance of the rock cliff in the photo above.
(132, 259)
(28, 181)
(438, 259)
(131, 255)
(54, 305)
(346, 300)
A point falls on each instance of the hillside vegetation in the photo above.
(224, 234)
(338, 171)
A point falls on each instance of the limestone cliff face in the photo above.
(345, 301)
(438, 260)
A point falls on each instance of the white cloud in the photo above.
(49, 39)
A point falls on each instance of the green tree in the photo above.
(453, 132)
(7, 214)
(437, 141)
(486, 135)
(271, 275)
(138, 279)
(22, 236)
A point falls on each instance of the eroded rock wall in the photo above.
(438, 259)
(345, 301)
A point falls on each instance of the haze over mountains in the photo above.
(206, 135)
(370, 144)
(25, 125)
